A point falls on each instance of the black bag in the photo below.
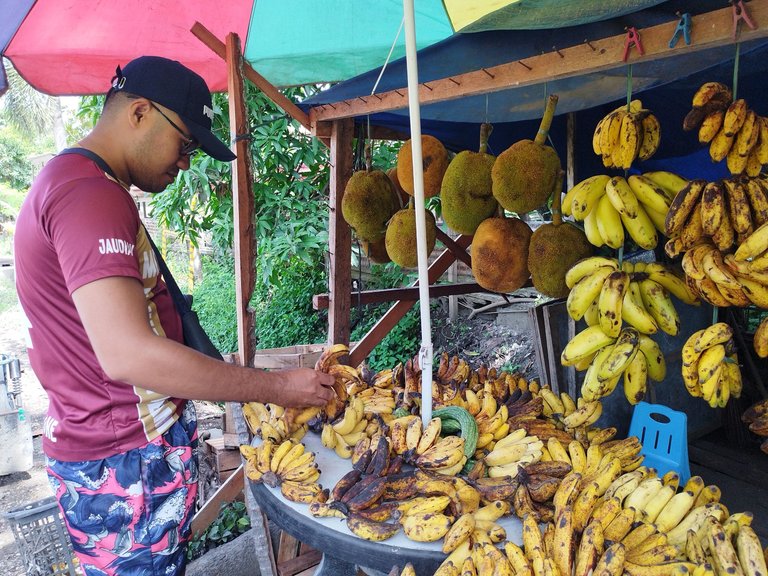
(194, 335)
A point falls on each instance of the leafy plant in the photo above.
(284, 313)
(214, 301)
(15, 168)
(231, 522)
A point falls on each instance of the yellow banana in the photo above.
(636, 379)
(633, 311)
(622, 197)
(641, 229)
(621, 354)
(657, 301)
(657, 368)
(648, 193)
(673, 283)
(711, 125)
(583, 344)
(610, 302)
(609, 224)
(674, 511)
(582, 198)
(587, 266)
(651, 129)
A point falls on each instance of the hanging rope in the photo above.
(736, 70)
(386, 61)
(629, 86)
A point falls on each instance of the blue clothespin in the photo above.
(684, 28)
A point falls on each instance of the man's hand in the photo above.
(304, 387)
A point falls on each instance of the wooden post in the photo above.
(570, 153)
(242, 200)
(339, 234)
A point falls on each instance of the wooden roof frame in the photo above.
(333, 124)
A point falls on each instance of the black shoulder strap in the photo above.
(182, 305)
(100, 162)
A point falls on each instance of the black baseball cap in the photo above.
(170, 83)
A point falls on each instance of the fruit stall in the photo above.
(517, 476)
(645, 136)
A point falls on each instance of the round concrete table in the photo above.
(342, 550)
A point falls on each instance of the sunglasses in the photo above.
(189, 145)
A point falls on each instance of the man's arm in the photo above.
(114, 313)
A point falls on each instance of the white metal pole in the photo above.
(425, 353)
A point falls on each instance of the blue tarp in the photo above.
(664, 85)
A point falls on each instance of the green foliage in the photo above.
(404, 339)
(284, 313)
(231, 522)
(214, 301)
(86, 115)
(8, 299)
(15, 167)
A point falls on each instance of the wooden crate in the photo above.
(300, 356)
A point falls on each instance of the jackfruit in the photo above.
(434, 160)
(376, 251)
(525, 173)
(465, 195)
(500, 254)
(368, 203)
(401, 237)
(554, 249)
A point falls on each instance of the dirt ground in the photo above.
(478, 340)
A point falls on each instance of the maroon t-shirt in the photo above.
(78, 225)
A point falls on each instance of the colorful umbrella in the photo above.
(71, 46)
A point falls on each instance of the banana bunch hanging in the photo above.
(711, 365)
(732, 130)
(725, 212)
(610, 205)
(626, 135)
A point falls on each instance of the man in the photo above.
(105, 338)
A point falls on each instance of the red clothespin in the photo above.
(632, 39)
(740, 13)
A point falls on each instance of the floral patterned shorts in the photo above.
(130, 514)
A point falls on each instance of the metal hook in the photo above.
(558, 52)
(427, 86)
(455, 82)
(489, 74)
(524, 65)
(588, 43)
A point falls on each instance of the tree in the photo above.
(31, 112)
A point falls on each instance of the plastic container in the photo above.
(16, 438)
(42, 539)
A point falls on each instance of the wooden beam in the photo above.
(227, 492)
(397, 311)
(217, 46)
(242, 200)
(320, 301)
(339, 234)
(457, 250)
(709, 30)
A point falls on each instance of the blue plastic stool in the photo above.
(663, 433)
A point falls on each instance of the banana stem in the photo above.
(485, 133)
(546, 120)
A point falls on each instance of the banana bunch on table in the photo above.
(732, 130)
(626, 134)
(725, 212)
(711, 366)
(610, 205)
(286, 464)
(756, 417)
(271, 421)
(351, 427)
